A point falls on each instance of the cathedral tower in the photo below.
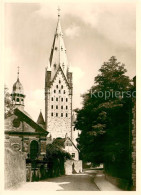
(18, 94)
(58, 89)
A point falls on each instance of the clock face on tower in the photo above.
(16, 122)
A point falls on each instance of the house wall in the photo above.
(75, 135)
(72, 149)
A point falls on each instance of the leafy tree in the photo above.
(104, 117)
(8, 106)
(56, 156)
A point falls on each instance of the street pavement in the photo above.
(103, 184)
(89, 180)
(76, 182)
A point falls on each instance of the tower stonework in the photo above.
(58, 89)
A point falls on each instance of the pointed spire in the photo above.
(17, 87)
(59, 11)
(40, 119)
(18, 73)
(58, 56)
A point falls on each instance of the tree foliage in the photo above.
(55, 157)
(8, 105)
(104, 117)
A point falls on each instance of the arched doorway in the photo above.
(34, 149)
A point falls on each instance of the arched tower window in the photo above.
(34, 149)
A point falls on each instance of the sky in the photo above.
(93, 32)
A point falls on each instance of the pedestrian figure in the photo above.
(73, 169)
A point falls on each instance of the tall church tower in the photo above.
(58, 89)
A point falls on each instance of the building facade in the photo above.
(58, 89)
(25, 139)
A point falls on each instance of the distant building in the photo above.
(71, 148)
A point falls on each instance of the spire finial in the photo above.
(18, 72)
(59, 11)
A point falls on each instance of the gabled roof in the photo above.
(72, 143)
(23, 116)
(60, 69)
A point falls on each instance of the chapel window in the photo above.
(34, 149)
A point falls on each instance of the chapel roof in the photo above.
(18, 87)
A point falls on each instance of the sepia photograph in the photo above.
(69, 96)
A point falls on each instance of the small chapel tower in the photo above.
(18, 93)
(58, 89)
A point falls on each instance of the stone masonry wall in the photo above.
(59, 111)
(15, 168)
